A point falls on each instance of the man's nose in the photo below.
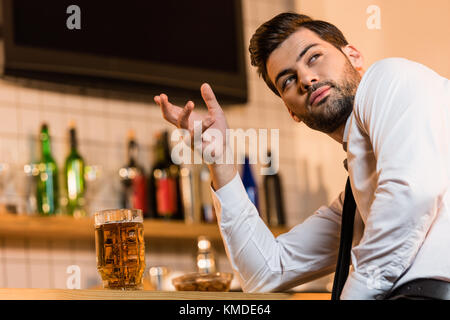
(307, 79)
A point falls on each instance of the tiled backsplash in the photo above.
(102, 119)
(32, 263)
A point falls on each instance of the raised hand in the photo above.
(184, 118)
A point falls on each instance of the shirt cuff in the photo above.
(231, 198)
(358, 287)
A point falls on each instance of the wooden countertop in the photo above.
(62, 294)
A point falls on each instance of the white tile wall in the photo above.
(17, 275)
(29, 121)
(62, 251)
(2, 275)
(27, 95)
(59, 275)
(89, 275)
(8, 93)
(52, 97)
(8, 120)
(40, 274)
(94, 104)
(38, 250)
(14, 249)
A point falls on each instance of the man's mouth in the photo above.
(318, 95)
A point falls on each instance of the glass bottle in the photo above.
(275, 214)
(134, 192)
(164, 183)
(207, 207)
(47, 179)
(74, 177)
(250, 183)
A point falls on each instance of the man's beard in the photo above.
(333, 110)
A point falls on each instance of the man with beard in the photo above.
(393, 121)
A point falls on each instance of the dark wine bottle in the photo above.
(273, 192)
(165, 195)
(134, 184)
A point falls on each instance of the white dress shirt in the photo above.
(398, 152)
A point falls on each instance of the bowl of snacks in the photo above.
(218, 281)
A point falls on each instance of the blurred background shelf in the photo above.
(63, 227)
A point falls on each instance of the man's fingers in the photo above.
(183, 120)
(209, 98)
(180, 116)
(170, 112)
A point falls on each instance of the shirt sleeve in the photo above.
(264, 263)
(400, 110)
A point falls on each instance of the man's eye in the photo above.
(287, 81)
(314, 58)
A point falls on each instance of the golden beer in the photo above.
(120, 249)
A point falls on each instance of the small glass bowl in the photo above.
(219, 281)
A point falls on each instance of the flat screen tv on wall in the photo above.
(166, 46)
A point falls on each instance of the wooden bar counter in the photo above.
(61, 294)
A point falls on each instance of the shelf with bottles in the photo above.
(178, 195)
(67, 227)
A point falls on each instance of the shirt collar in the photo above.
(345, 137)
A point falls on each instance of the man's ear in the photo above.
(356, 58)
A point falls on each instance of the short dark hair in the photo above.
(272, 33)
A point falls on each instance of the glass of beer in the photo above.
(120, 247)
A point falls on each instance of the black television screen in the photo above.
(154, 46)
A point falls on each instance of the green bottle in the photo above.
(47, 185)
(74, 178)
